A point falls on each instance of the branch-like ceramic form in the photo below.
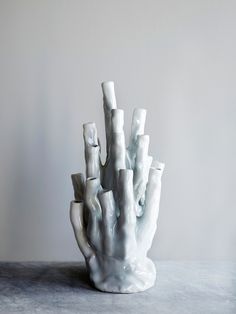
(115, 210)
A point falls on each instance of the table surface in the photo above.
(181, 288)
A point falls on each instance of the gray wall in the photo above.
(175, 58)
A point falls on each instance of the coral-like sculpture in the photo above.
(115, 210)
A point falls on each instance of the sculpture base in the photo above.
(109, 274)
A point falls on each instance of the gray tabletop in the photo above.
(181, 287)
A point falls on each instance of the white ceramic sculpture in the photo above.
(115, 210)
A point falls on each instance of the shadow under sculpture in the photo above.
(115, 210)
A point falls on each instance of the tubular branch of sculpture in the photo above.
(116, 206)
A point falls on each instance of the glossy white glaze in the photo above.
(115, 210)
